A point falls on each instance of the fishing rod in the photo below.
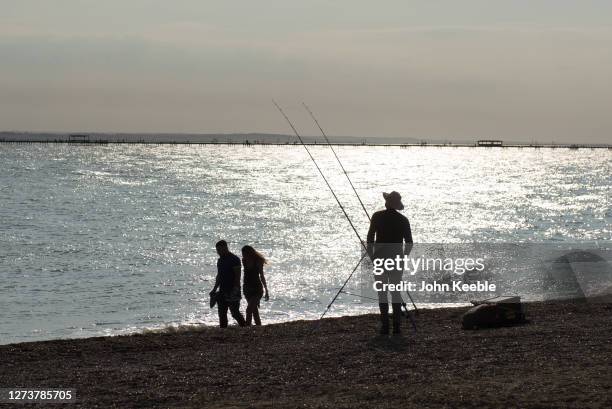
(360, 296)
(342, 288)
(354, 190)
(323, 176)
(345, 214)
(365, 247)
(338, 159)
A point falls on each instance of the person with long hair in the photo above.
(254, 282)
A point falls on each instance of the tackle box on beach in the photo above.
(493, 312)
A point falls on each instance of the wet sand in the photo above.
(563, 358)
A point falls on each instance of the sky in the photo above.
(434, 69)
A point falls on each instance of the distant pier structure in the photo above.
(84, 138)
(78, 138)
(490, 142)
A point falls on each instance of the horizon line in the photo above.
(429, 140)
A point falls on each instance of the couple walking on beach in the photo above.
(228, 283)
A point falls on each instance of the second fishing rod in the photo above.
(360, 202)
(365, 247)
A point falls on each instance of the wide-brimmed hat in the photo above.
(393, 200)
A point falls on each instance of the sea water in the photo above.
(115, 239)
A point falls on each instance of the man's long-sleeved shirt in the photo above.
(389, 226)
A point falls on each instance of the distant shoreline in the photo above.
(267, 139)
(256, 143)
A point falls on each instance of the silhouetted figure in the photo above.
(254, 282)
(228, 282)
(388, 231)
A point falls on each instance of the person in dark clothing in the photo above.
(228, 283)
(254, 282)
(388, 231)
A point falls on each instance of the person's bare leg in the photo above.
(249, 314)
(256, 314)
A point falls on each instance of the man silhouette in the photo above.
(228, 282)
(388, 231)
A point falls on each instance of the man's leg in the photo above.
(222, 308)
(397, 318)
(383, 305)
(384, 317)
(235, 310)
(395, 277)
